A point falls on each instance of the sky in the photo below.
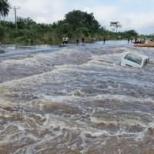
(132, 14)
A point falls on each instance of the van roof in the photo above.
(137, 55)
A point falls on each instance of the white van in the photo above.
(134, 60)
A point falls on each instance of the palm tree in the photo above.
(4, 7)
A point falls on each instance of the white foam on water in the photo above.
(83, 69)
(123, 98)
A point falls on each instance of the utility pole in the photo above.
(15, 16)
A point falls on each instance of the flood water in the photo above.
(75, 100)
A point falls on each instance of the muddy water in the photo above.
(75, 100)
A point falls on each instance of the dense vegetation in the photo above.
(148, 37)
(77, 24)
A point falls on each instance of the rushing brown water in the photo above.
(75, 100)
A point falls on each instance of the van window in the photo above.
(134, 58)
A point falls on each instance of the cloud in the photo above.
(132, 19)
(140, 21)
(103, 12)
(46, 11)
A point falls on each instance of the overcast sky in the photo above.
(132, 14)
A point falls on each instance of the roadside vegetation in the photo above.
(76, 25)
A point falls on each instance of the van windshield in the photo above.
(134, 58)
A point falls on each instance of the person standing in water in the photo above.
(65, 40)
(104, 40)
(128, 40)
(77, 41)
(83, 40)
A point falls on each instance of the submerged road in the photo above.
(75, 100)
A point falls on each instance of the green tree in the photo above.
(79, 19)
(4, 7)
(77, 24)
(130, 34)
(25, 22)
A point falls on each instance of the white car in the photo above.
(134, 60)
